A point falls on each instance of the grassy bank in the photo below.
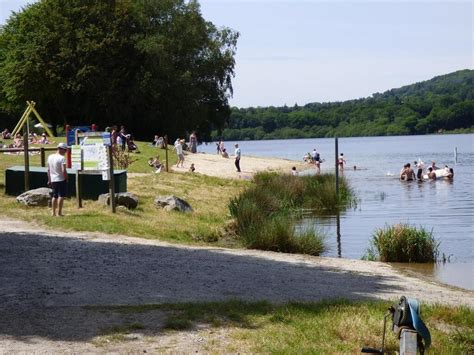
(297, 328)
(207, 195)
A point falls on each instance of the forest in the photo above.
(155, 66)
(444, 103)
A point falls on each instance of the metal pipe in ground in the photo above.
(336, 143)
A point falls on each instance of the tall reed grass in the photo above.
(266, 213)
(403, 243)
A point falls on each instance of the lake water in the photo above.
(445, 207)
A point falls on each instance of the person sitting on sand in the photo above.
(192, 168)
(44, 139)
(6, 134)
(225, 154)
(293, 171)
(18, 141)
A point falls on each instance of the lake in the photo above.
(446, 208)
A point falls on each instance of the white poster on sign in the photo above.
(91, 155)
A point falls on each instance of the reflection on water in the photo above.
(445, 207)
(457, 274)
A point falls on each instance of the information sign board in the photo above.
(76, 157)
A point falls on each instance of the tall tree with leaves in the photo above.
(152, 65)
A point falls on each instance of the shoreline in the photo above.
(392, 282)
(217, 166)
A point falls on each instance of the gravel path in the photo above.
(46, 277)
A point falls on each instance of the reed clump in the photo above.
(267, 212)
(403, 243)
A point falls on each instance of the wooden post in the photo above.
(78, 180)
(455, 155)
(337, 167)
(43, 157)
(27, 161)
(166, 152)
(338, 235)
(112, 179)
(408, 342)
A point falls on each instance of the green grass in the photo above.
(207, 195)
(336, 326)
(403, 243)
(266, 213)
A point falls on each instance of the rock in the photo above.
(172, 203)
(126, 199)
(36, 197)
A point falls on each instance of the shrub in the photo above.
(279, 234)
(403, 243)
(122, 159)
(266, 212)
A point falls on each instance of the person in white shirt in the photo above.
(57, 178)
(179, 150)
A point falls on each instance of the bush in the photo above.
(266, 213)
(403, 243)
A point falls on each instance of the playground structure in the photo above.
(25, 120)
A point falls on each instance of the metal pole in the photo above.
(43, 157)
(27, 161)
(337, 166)
(112, 180)
(166, 151)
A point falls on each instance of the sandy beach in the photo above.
(215, 165)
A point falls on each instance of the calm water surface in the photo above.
(445, 207)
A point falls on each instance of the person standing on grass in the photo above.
(57, 178)
(237, 154)
(179, 150)
(123, 137)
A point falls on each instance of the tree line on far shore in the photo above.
(444, 103)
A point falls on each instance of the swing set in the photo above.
(25, 120)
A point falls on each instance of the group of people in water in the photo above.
(432, 173)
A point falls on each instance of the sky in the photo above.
(301, 51)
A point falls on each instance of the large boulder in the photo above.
(172, 203)
(126, 199)
(36, 197)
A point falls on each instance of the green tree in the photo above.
(154, 65)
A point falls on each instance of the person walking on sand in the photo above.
(237, 154)
(57, 179)
(193, 142)
(178, 145)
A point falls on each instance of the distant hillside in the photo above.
(443, 103)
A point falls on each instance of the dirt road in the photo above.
(48, 277)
